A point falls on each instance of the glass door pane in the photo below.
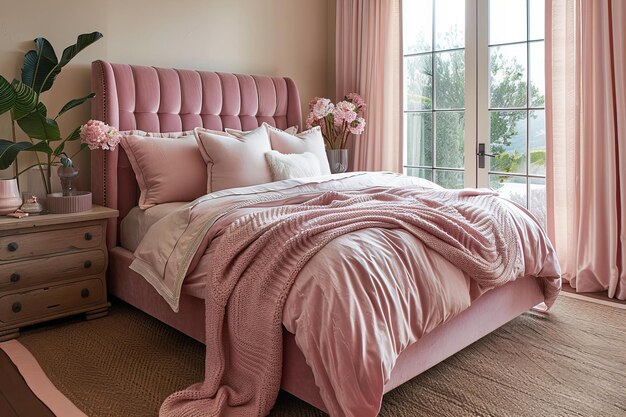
(474, 73)
(512, 71)
(434, 90)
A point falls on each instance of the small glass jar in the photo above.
(68, 173)
(30, 204)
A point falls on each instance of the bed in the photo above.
(151, 99)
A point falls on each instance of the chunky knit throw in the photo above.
(260, 255)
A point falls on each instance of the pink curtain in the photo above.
(586, 141)
(368, 62)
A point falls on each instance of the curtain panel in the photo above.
(586, 141)
(369, 62)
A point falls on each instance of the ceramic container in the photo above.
(10, 199)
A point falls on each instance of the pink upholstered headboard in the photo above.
(171, 100)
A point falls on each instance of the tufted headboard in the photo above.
(152, 99)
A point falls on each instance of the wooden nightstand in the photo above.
(51, 266)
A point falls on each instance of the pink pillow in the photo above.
(167, 169)
(307, 141)
(234, 161)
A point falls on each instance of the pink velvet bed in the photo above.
(166, 100)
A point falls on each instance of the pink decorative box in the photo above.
(58, 203)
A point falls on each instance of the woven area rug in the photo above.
(569, 363)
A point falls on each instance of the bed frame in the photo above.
(166, 100)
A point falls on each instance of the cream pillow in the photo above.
(233, 161)
(286, 166)
(168, 167)
(307, 141)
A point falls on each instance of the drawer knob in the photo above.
(12, 246)
(84, 293)
(88, 236)
(87, 264)
(17, 307)
(15, 277)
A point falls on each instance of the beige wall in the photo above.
(272, 37)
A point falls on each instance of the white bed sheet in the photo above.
(135, 226)
(137, 223)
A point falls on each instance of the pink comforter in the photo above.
(351, 359)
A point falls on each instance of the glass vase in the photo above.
(69, 179)
(338, 160)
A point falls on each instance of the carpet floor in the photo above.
(569, 363)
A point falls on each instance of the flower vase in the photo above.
(69, 179)
(70, 200)
(10, 199)
(338, 160)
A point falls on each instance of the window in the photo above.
(474, 73)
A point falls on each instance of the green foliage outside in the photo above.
(509, 89)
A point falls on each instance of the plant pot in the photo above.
(338, 160)
(10, 199)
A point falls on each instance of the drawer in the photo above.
(26, 306)
(21, 274)
(50, 241)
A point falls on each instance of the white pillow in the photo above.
(233, 161)
(307, 141)
(295, 165)
(235, 132)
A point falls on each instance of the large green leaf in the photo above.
(9, 150)
(41, 66)
(7, 95)
(82, 42)
(41, 108)
(26, 100)
(59, 150)
(76, 102)
(74, 135)
(37, 126)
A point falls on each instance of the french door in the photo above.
(474, 93)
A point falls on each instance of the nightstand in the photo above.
(51, 266)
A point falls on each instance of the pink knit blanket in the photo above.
(261, 254)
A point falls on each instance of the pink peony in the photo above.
(99, 135)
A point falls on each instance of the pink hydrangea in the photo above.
(339, 120)
(321, 107)
(358, 126)
(99, 135)
(344, 112)
(311, 121)
(357, 100)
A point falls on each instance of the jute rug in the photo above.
(570, 363)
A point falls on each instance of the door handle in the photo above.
(481, 155)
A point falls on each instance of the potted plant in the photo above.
(337, 121)
(22, 98)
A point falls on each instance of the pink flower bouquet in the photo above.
(98, 135)
(337, 120)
